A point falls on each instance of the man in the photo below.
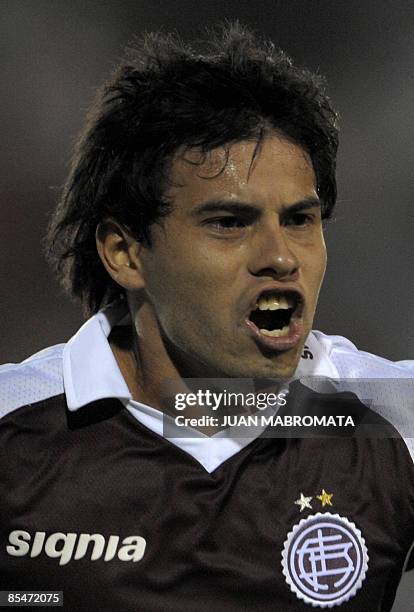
(191, 228)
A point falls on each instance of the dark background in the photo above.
(54, 53)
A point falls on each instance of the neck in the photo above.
(155, 373)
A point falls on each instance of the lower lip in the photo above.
(283, 343)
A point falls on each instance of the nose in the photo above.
(272, 253)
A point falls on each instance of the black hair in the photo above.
(166, 96)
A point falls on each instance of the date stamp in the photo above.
(31, 598)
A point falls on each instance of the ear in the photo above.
(119, 253)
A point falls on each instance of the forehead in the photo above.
(275, 171)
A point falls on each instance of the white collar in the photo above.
(90, 371)
(316, 361)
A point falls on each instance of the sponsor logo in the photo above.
(325, 559)
(68, 546)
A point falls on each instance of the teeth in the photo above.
(275, 303)
(276, 333)
(285, 304)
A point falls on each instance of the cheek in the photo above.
(314, 271)
(317, 255)
(323, 260)
(318, 280)
(194, 284)
(320, 265)
(201, 271)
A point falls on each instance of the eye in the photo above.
(300, 219)
(227, 223)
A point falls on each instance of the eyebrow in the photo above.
(236, 206)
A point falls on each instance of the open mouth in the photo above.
(274, 312)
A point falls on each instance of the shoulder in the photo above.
(35, 379)
(384, 386)
(350, 362)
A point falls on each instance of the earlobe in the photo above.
(119, 253)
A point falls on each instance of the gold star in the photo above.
(325, 498)
(303, 502)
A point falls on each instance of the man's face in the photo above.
(233, 274)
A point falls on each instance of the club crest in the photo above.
(325, 559)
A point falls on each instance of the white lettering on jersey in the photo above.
(65, 546)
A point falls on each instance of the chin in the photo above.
(282, 365)
(281, 368)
